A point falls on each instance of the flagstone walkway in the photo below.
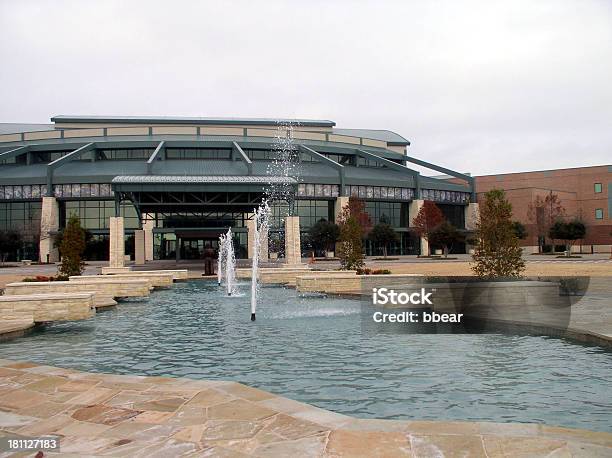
(137, 416)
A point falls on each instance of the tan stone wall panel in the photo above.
(344, 139)
(42, 135)
(84, 133)
(128, 131)
(175, 130)
(301, 135)
(10, 138)
(374, 143)
(229, 131)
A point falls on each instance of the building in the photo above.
(177, 183)
(584, 192)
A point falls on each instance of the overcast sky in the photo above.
(478, 86)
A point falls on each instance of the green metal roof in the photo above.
(199, 179)
(192, 120)
(375, 134)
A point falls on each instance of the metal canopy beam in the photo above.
(160, 148)
(237, 149)
(325, 160)
(394, 165)
(15, 152)
(386, 162)
(77, 153)
(437, 168)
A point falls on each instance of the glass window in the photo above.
(599, 213)
(598, 188)
(21, 216)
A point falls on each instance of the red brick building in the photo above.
(584, 192)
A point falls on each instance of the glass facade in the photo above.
(36, 191)
(127, 154)
(310, 211)
(200, 219)
(23, 217)
(445, 196)
(198, 153)
(83, 190)
(25, 191)
(318, 190)
(380, 192)
(95, 214)
(395, 213)
(454, 214)
(20, 216)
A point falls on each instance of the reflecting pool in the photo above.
(312, 349)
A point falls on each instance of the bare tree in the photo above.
(543, 214)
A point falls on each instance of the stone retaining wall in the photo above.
(279, 275)
(47, 307)
(155, 279)
(343, 282)
(177, 274)
(104, 289)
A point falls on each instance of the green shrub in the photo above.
(71, 249)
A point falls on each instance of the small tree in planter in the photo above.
(353, 225)
(497, 252)
(568, 232)
(446, 235)
(324, 235)
(356, 207)
(71, 248)
(383, 234)
(275, 245)
(427, 221)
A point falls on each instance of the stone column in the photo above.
(147, 226)
(250, 223)
(341, 202)
(471, 216)
(413, 211)
(49, 223)
(293, 254)
(139, 247)
(117, 242)
(263, 249)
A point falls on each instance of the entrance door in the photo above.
(194, 248)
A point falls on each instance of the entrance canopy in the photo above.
(215, 193)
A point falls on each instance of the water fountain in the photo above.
(261, 228)
(221, 259)
(284, 164)
(229, 263)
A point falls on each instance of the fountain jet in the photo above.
(221, 259)
(261, 228)
(229, 263)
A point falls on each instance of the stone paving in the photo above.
(138, 416)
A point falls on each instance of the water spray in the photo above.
(260, 230)
(221, 259)
(230, 263)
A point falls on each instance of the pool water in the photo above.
(312, 349)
